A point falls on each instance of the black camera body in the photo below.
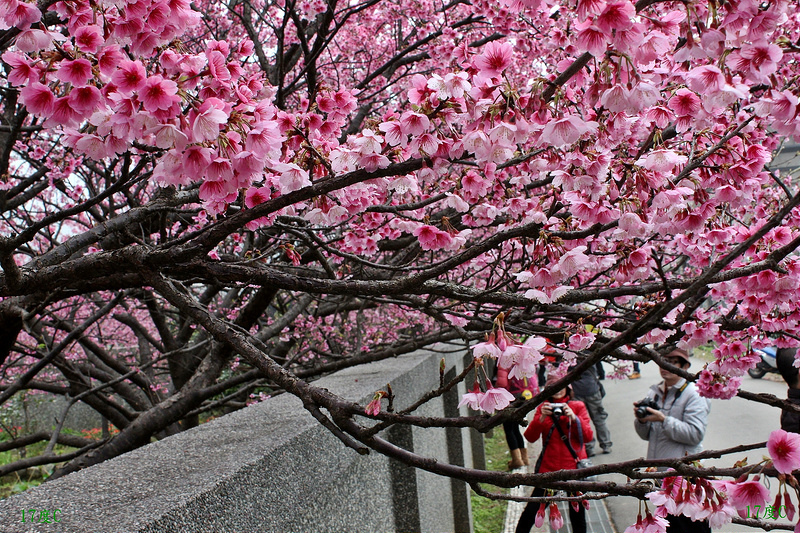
(558, 409)
(642, 405)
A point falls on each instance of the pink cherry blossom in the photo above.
(565, 131)
(591, 38)
(220, 169)
(662, 160)
(85, 100)
(196, 160)
(707, 79)
(394, 133)
(757, 60)
(22, 70)
(414, 123)
(130, 77)
(685, 102)
(453, 85)
(617, 15)
(556, 520)
(158, 93)
(372, 162)
(742, 494)
(222, 192)
(494, 58)
(616, 99)
(292, 177)
(168, 136)
(38, 98)
(472, 399)
(539, 519)
(208, 119)
(22, 15)
(89, 38)
(488, 348)
(76, 72)
(64, 114)
(712, 384)
(374, 406)
(431, 238)
(784, 450)
(217, 66)
(34, 40)
(589, 8)
(495, 399)
(638, 527)
(368, 142)
(255, 196)
(573, 261)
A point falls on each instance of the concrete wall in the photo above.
(271, 467)
(37, 412)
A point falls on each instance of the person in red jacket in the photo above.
(573, 418)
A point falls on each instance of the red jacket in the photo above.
(557, 456)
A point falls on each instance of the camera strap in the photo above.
(565, 437)
(677, 395)
(545, 442)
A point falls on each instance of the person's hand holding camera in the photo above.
(644, 406)
(557, 410)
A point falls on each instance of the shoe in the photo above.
(635, 375)
(590, 453)
(524, 454)
(606, 450)
(516, 460)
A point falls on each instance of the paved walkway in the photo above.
(597, 520)
(753, 423)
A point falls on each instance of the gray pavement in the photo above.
(731, 422)
(597, 518)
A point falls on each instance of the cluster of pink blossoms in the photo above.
(698, 499)
(520, 359)
(718, 501)
(556, 519)
(111, 76)
(722, 377)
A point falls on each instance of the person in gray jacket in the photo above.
(677, 427)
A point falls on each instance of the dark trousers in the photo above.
(528, 517)
(684, 524)
(598, 414)
(513, 435)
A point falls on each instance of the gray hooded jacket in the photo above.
(682, 432)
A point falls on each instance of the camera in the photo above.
(642, 405)
(558, 409)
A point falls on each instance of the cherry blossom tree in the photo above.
(203, 202)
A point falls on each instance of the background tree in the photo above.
(200, 201)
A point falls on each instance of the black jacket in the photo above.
(790, 420)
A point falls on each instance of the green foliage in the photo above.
(30, 477)
(489, 515)
(10, 488)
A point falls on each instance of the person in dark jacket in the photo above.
(516, 444)
(576, 426)
(589, 390)
(790, 420)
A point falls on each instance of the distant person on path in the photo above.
(790, 420)
(564, 412)
(516, 444)
(589, 390)
(675, 427)
(635, 374)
